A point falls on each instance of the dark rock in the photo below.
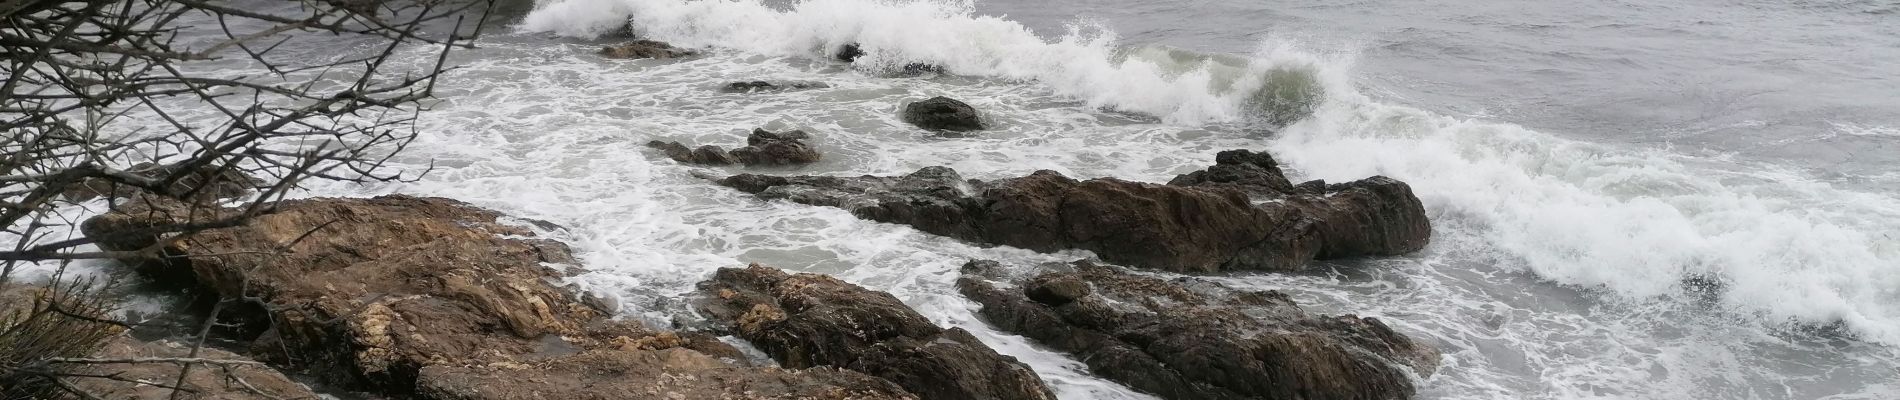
(809, 320)
(1192, 339)
(706, 155)
(849, 53)
(1316, 186)
(201, 185)
(763, 148)
(373, 293)
(646, 49)
(1204, 223)
(784, 148)
(1255, 173)
(1376, 216)
(1168, 227)
(763, 86)
(943, 113)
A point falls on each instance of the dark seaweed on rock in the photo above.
(1189, 339)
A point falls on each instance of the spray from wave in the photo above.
(1084, 63)
(1638, 224)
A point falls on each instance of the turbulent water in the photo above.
(1630, 200)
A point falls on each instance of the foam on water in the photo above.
(1084, 63)
(1632, 238)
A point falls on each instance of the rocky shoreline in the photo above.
(432, 298)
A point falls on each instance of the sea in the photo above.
(1688, 199)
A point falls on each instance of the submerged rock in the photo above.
(943, 113)
(763, 86)
(646, 49)
(1191, 339)
(424, 297)
(808, 320)
(1204, 222)
(763, 148)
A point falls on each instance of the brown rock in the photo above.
(371, 293)
(941, 112)
(227, 381)
(668, 374)
(1190, 339)
(808, 320)
(646, 49)
(1156, 226)
(1202, 222)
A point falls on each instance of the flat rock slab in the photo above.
(1190, 339)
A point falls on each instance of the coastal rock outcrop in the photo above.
(763, 148)
(645, 49)
(1192, 339)
(1205, 222)
(807, 320)
(943, 113)
(423, 297)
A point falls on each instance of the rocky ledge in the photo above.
(1194, 339)
(433, 298)
(805, 320)
(1238, 215)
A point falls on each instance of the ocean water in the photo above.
(1630, 200)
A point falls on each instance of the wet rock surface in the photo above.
(807, 320)
(763, 148)
(645, 49)
(667, 374)
(1195, 339)
(765, 86)
(379, 294)
(943, 113)
(1206, 222)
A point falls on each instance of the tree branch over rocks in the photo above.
(197, 110)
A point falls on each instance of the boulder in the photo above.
(943, 113)
(704, 155)
(809, 320)
(763, 148)
(763, 86)
(236, 377)
(371, 293)
(645, 49)
(1203, 222)
(782, 148)
(1194, 339)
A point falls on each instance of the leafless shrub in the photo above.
(136, 102)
